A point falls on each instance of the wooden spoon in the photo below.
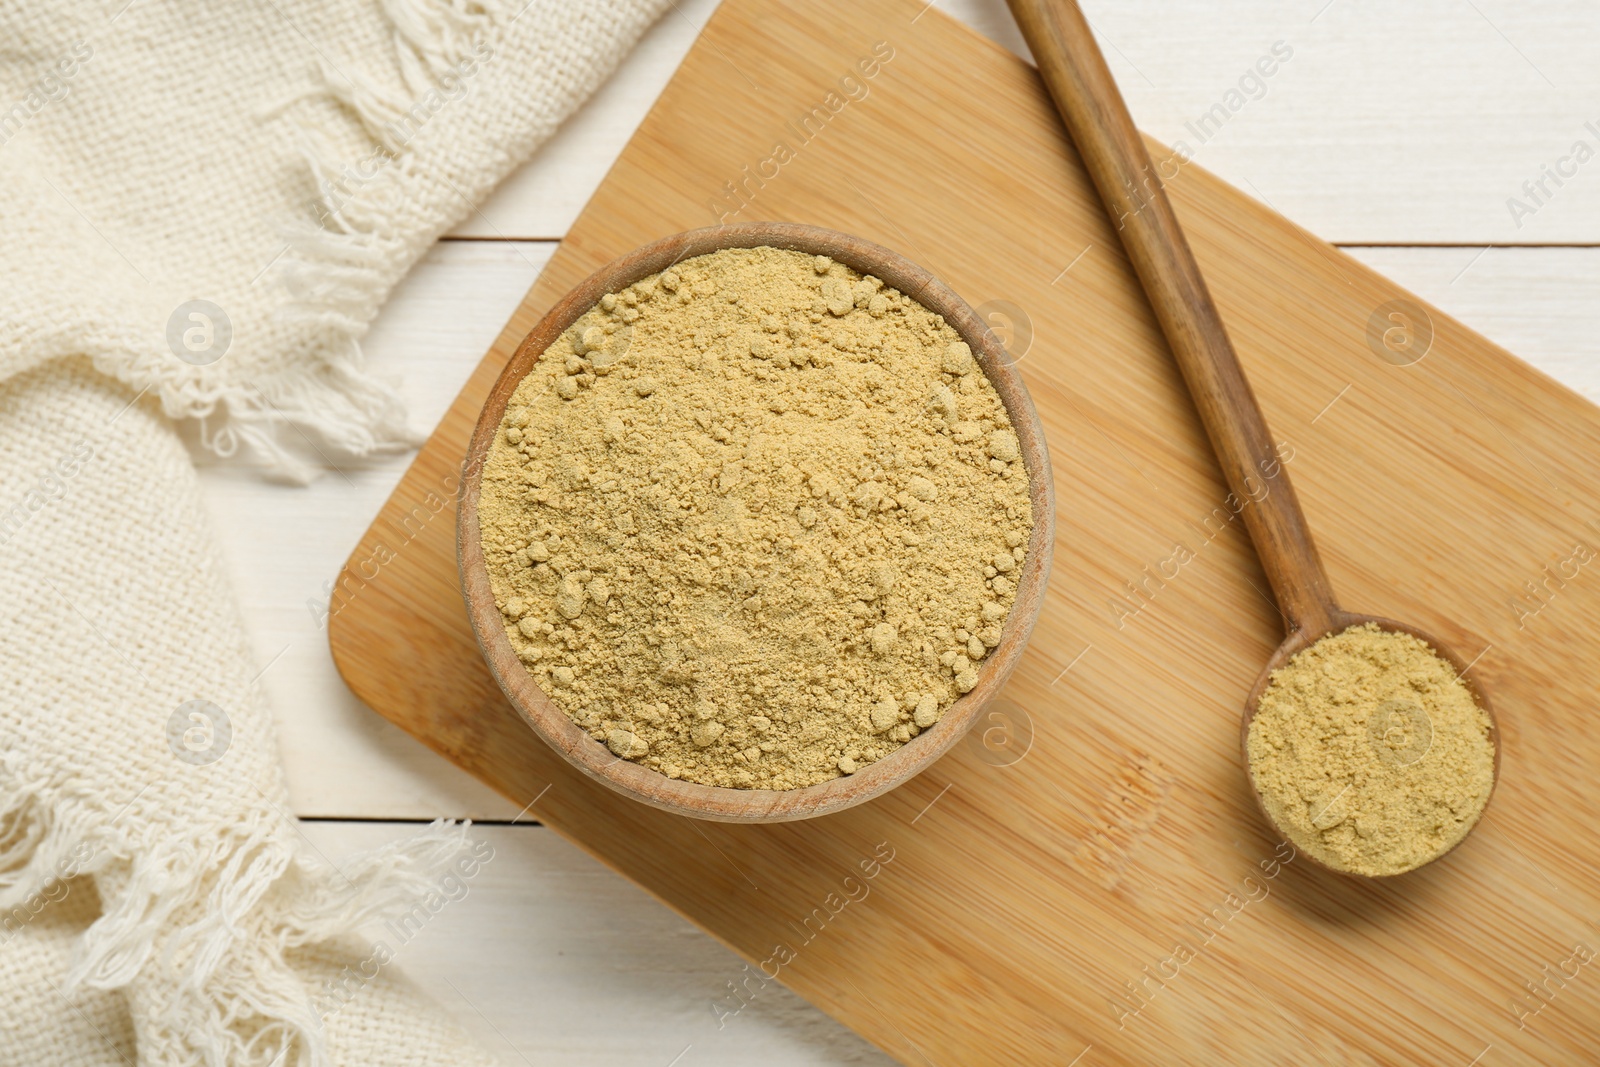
(1113, 151)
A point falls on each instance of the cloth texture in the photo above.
(205, 204)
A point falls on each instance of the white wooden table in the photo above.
(1400, 131)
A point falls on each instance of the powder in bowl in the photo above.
(1370, 751)
(756, 520)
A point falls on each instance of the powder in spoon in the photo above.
(1370, 751)
(755, 521)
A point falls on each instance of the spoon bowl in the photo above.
(1298, 641)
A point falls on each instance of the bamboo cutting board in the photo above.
(1085, 880)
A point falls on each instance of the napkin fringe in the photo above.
(340, 268)
(215, 918)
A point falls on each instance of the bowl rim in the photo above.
(719, 803)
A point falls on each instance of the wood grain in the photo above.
(1037, 889)
(557, 729)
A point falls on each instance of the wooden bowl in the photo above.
(758, 805)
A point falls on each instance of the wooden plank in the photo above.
(1390, 123)
(1025, 898)
(284, 547)
(1538, 302)
(545, 956)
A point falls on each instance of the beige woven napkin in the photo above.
(205, 205)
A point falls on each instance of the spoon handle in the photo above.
(1114, 153)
